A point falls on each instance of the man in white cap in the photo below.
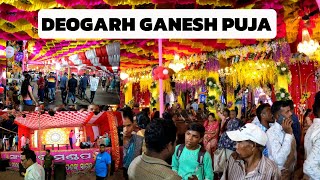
(248, 162)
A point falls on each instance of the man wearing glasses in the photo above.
(34, 170)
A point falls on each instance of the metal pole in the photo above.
(38, 137)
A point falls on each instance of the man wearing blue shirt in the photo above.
(102, 164)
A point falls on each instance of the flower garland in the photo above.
(153, 102)
(239, 95)
(145, 82)
(212, 84)
(212, 63)
(251, 73)
(282, 95)
(283, 69)
(153, 85)
(211, 101)
(188, 79)
(304, 97)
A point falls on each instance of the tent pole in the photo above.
(160, 80)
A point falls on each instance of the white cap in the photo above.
(249, 132)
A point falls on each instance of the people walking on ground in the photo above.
(41, 86)
(72, 86)
(94, 82)
(83, 86)
(52, 87)
(63, 87)
(27, 92)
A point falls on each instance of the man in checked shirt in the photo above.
(248, 162)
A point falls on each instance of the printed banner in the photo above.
(76, 160)
(157, 23)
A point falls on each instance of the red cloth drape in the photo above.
(141, 98)
(23, 130)
(303, 80)
(89, 132)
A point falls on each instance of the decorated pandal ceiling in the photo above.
(18, 21)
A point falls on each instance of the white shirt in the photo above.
(35, 172)
(195, 106)
(94, 82)
(311, 166)
(279, 144)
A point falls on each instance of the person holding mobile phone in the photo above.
(281, 143)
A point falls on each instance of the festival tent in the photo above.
(29, 122)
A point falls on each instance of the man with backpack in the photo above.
(190, 160)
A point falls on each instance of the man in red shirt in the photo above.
(41, 84)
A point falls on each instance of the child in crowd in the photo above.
(190, 160)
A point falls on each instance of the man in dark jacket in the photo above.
(83, 86)
(72, 86)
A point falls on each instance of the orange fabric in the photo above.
(89, 132)
(115, 151)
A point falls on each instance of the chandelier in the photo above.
(307, 46)
(124, 75)
(225, 72)
(176, 65)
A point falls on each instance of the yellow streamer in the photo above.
(252, 73)
(128, 93)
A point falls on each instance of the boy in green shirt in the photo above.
(189, 160)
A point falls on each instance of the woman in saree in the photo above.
(210, 140)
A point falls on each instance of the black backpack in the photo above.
(200, 156)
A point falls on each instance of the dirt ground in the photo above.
(13, 175)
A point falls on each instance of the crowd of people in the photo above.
(22, 90)
(268, 143)
(32, 170)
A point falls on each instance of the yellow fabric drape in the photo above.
(32, 5)
(128, 93)
(180, 101)
(167, 86)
